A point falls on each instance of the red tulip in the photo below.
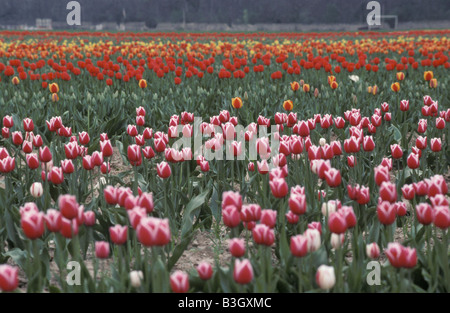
(132, 130)
(5, 132)
(45, 155)
(33, 224)
(179, 282)
(408, 192)
(56, 175)
(441, 216)
(368, 143)
(106, 148)
(263, 235)
(421, 188)
(84, 138)
(421, 142)
(394, 253)
(373, 250)
(17, 138)
(153, 231)
(68, 206)
(424, 213)
(352, 145)
(118, 234)
(404, 105)
(279, 187)
(413, 161)
(140, 120)
(231, 216)
(8, 121)
(299, 246)
(396, 151)
(422, 127)
(9, 277)
(89, 218)
(110, 194)
(268, 217)
(292, 218)
(204, 270)
(102, 249)
(53, 220)
(440, 123)
(333, 177)
(69, 228)
(231, 198)
(32, 161)
(435, 144)
(67, 166)
(243, 271)
(363, 195)
(147, 133)
(134, 155)
(315, 225)
(88, 163)
(439, 200)
(145, 200)
(163, 170)
(297, 203)
(436, 185)
(71, 150)
(337, 223)
(339, 122)
(388, 192)
(400, 208)
(27, 147)
(386, 213)
(148, 152)
(236, 247)
(135, 215)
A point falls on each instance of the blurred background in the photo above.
(223, 15)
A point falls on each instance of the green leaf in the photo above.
(396, 133)
(191, 209)
(54, 289)
(179, 249)
(18, 256)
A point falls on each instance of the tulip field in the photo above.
(224, 162)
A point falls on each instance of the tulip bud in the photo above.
(373, 250)
(136, 278)
(204, 270)
(179, 282)
(9, 277)
(243, 271)
(102, 249)
(325, 277)
(36, 190)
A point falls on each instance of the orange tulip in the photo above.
(400, 76)
(334, 85)
(369, 89)
(374, 89)
(55, 97)
(306, 87)
(395, 87)
(54, 88)
(295, 86)
(15, 80)
(331, 79)
(143, 83)
(428, 75)
(288, 105)
(433, 83)
(236, 103)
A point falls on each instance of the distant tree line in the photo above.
(231, 12)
